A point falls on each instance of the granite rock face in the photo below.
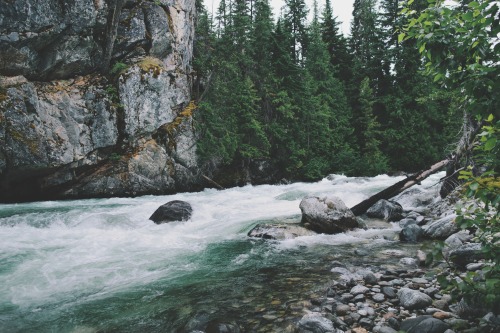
(69, 129)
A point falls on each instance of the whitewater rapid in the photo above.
(58, 255)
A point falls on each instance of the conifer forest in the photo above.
(296, 92)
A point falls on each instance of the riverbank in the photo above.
(406, 297)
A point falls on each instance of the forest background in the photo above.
(300, 95)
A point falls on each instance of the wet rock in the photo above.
(406, 222)
(466, 254)
(490, 322)
(387, 210)
(424, 324)
(279, 231)
(316, 323)
(442, 228)
(389, 292)
(342, 309)
(344, 277)
(327, 215)
(379, 298)
(172, 211)
(454, 242)
(394, 323)
(409, 262)
(411, 233)
(359, 289)
(421, 257)
(368, 277)
(366, 323)
(412, 299)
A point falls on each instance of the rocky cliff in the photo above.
(72, 127)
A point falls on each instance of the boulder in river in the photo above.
(327, 215)
(279, 231)
(411, 233)
(387, 210)
(176, 210)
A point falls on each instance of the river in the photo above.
(100, 265)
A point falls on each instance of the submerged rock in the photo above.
(327, 215)
(172, 211)
(279, 231)
(315, 322)
(387, 210)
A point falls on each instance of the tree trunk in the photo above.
(115, 9)
(397, 188)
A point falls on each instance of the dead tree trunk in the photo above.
(397, 188)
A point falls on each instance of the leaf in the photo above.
(490, 144)
(438, 77)
(401, 37)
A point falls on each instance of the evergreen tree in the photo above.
(327, 119)
(374, 161)
(366, 41)
(336, 43)
(295, 19)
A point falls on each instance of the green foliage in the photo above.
(291, 92)
(118, 68)
(461, 48)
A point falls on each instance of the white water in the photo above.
(67, 253)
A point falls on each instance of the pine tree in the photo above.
(374, 161)
(336, 43)
(295, 20)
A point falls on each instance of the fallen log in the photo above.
(397, 188)
(213, 182)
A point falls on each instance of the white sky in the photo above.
(341, 8)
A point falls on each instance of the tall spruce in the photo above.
(295, 21)
(336, 43)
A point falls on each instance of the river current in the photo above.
(100, 265)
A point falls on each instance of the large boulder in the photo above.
(327, 215)
(387, 210)
(424, 324)
(466, 254)
(279, 231)
(172, 211)
(442, 228)
(412, 299)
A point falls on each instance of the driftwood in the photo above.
(213, 182)
(397, 188)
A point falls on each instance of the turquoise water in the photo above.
(101, 266)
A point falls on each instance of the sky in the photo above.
(341, 8)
